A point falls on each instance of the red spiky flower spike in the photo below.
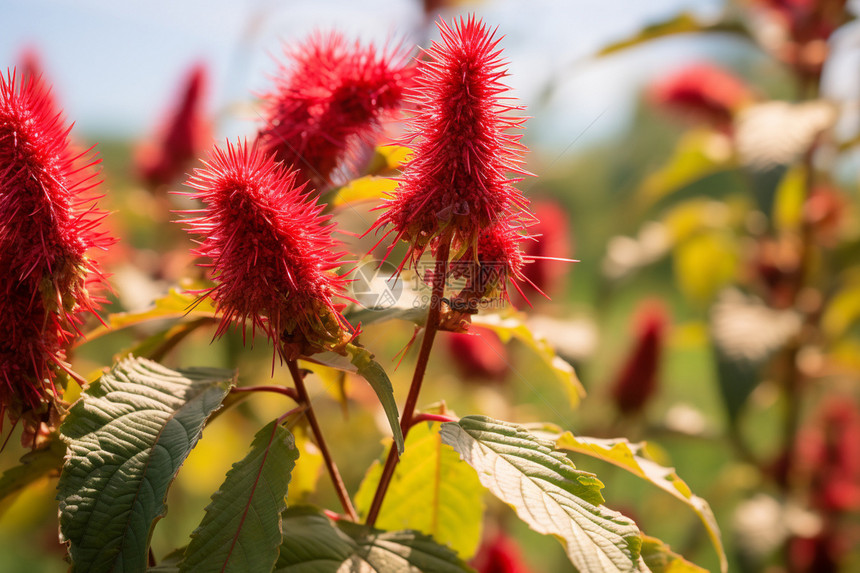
(270, 251)
(48, 223)
(329, 103)
(457, 183)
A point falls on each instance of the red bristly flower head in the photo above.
(270, 250)
(47, 226)
(490, 265)
(185, 134)
(329, 104)
(703, 92)
(456, 184)
(637, 381)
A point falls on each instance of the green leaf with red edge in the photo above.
(683, 23)
(634, 459)
(241, 530)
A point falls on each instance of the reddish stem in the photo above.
(406, 418)
(418, 418)
(289, 392)
(337, 481)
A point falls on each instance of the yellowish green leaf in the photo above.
(308, 468)
(705, 264)
(698, 154)
(363, 189)
(634, 458)
(683, 23)
(843, 310)
(788, 205)
(659, 558)
(433, 491)
(512, 325)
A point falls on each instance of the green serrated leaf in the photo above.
(126, 439)
(513, 325)
(433, 491)
(315, 544)
(241, 530)
(375, 375)
(634, 459)
(46, 461)
(683, 23)
(547, 492)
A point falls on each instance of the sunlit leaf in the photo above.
(634, 458)
(843, 309)
(308, 468)
(363, 189)
(513, 325)
(177, 303)
(698, 154)
(683, 23)
(241, 530)
(315, 544)
(788, 204)
(43, 462)
(659, 558)
(375, 375)
(126, 439)
(705, 264)
(433, 491)
(547, 492)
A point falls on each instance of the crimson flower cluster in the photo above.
(328, 105)
(49, 223)
(456, 191)
(703, 92)
(270, 249)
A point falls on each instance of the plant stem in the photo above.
(333, 472)
(432, 326)
(289, 392)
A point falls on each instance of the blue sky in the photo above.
(115, 64)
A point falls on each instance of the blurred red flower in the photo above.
(479, 355)
(328, 105)
(185, 133)
(702, 92)
(637, 381)
(499, 554)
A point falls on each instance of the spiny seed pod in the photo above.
(456, 184)
(270, 251)
(329, 104)
(48, 223)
